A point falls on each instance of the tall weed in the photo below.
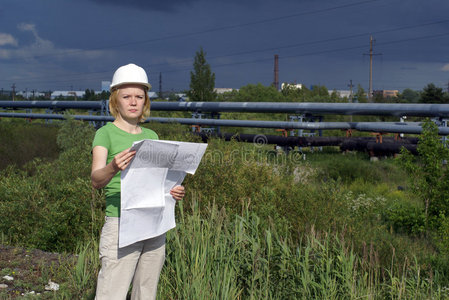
(218, 256)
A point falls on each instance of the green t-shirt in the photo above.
(116, 140)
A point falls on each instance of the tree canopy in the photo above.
(202, 80)
(433, 94)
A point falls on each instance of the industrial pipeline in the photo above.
(373, 145)
(307, 108)
(391, 127)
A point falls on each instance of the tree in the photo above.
(410, 96)
(432, 94)
(89, 95)
(104, 95)
(334, 97)
(429, 174)
(258, 93)
(319, 90)
(202, 80)
(292, 93)
(228, 96)
(360, 95)
(378, 97)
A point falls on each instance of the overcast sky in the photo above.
(63, 44)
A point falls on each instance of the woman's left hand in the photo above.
(178, 192)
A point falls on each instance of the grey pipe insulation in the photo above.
(307, 108)
(392, 127)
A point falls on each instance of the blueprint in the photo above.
(147, 208)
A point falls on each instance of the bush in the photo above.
(404, 218)
(21, 141)
(428, 173)
(353, 167)
(50, 205)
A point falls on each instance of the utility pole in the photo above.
(370, 97)
(350, 90)
(350, 96)
(370, 90)
(13, 91)
(160, 85)
(371, 54)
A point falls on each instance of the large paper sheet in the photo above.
(147, 208)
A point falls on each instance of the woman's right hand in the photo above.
(121, 161)
(102, 173)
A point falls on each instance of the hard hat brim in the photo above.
(147, 85)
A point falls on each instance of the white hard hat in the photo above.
(130, 74)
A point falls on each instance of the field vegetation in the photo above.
(255, 223)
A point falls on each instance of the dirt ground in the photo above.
(31, 271)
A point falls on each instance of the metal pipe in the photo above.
(57, 117)
(379, 109)
(412, 128)
(301, 141)
(51, 104)
(389, 146)
(255, 124)
(382, 109)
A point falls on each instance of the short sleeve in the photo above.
(101, 139)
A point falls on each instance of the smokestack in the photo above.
(276, 72)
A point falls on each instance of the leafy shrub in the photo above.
(363, 206)
(75, 135)
(21, 141)
(428, 173)
(351, 167)
(404, 218)
(50, 205)
(429, 180)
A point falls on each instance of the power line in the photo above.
(227, 27)
(332, 39)
(83, 75)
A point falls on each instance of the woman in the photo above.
(141, 262)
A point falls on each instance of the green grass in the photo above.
(219, 256)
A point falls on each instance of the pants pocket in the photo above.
(109, 238)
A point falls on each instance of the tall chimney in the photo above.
(276, 72)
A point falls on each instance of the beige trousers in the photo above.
(140, 263)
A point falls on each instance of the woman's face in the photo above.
(130, 101)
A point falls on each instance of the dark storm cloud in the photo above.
(156, 5)
(318, 41)
(172, 5)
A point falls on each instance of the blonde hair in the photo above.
(113, 104)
